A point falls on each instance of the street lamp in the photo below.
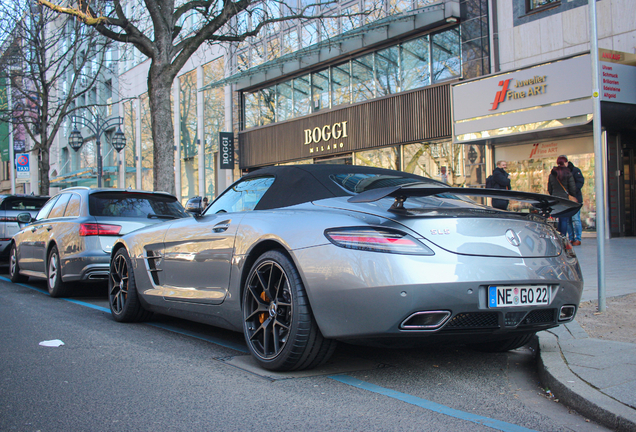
(75, 139)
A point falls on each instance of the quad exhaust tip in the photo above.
(426, 320)
(567, 312)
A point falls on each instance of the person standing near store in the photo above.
(561, 184)
(500, 180)
(575, 228)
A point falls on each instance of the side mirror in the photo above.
(24, 218)
(194, 205)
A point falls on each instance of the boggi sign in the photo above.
(317, 136)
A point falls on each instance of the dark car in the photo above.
(297, 257)
(71, 237)
(10, 207)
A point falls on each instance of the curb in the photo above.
(576, 393)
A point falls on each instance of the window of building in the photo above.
(341, 84)
(268, 105)
(320, 90)
(415, 71)
(446, 55)
(285, 102)
(362, 78)
(302, 96)
(387, 65)
(539, 4)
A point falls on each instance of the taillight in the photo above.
(93, 229)
(377, 240)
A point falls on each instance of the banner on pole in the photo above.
(226, 148)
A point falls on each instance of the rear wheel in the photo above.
(14, 267)
(278, 324)
(123, 299)
(504, 344)
(57, 287)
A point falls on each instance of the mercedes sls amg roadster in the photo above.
(300, 257)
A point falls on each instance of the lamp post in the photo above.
(75, 139)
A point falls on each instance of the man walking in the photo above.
(500, 180)
(575, 229)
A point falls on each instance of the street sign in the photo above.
(22, 168)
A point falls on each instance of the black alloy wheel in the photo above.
(279, 327)
(122, 291)
(14, 267)
(54, 282)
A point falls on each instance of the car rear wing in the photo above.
(546, 205)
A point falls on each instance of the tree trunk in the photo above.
(159, 91)
(43, 168)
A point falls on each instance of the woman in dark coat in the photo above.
(561, 184)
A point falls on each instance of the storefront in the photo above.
(529, 117)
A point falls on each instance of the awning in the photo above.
(379, 31)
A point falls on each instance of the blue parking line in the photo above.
(432, 406)
(216, 341)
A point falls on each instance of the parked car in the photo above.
(10, 207)
(71, 237)
(297, 257)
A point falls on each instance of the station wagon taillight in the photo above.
(94, 229)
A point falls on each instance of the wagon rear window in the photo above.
(136, 205)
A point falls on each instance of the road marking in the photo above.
(345, 379)
(432, 406)
(216, 341)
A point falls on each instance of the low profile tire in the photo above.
(14, 267)
(57, 287)
(278, 324)
(123, 299)
(504, 344)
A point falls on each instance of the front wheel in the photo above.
(14, 267)
(278, 324)
(57, 287)
(122, 291)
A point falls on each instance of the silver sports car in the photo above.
(298, 257)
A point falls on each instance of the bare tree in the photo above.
(168, 43)
(53, 63)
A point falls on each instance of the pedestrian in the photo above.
(500, 180)
(561, 184)
(205, 202)
(575, 228)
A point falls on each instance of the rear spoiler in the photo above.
(547, 205)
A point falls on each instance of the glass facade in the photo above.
(130, 151)
(146, 144)
(405, 66)
(188, 135)
(213, 122)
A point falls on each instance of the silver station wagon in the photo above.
(298, 257)
(71, 237)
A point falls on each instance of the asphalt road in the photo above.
(172, 375)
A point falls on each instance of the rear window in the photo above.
(24, 203)
(360, 182)
(136, 205)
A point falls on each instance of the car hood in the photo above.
(466, 229)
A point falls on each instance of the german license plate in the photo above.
(511, 296)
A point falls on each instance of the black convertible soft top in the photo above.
(297, 184)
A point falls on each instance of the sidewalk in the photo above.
(595, 377)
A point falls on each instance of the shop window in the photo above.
(320, 90)
(443, 161)
(340, 84)
(302, 96)
(252, 110)
(388, 71)
(388, 157)
(446, 56)
(415, 64)
(362, 82)
(268, 105)
(284, 103)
